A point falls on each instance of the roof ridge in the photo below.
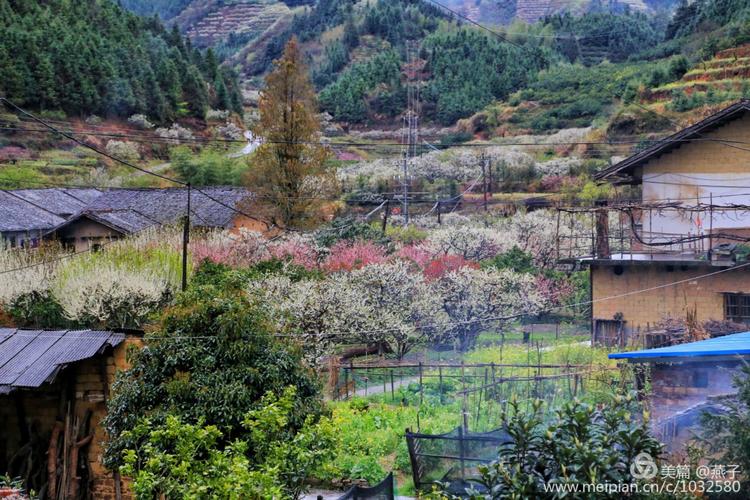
(676, 138)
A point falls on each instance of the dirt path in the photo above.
(377, 388)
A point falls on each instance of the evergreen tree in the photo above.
(91, 57)
(289, 174)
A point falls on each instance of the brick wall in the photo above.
(43, 406)
(647, 308)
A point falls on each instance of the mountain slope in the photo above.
(91, 57)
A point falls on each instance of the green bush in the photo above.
(178, 460)
(582, 444)
(38, 309)
(212, 359)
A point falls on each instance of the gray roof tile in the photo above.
(126, 210)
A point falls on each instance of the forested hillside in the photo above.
(166, 9)
(92, 57)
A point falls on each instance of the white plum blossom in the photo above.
(476, 299)
(27, 278)
(394, 307)
(111, 295)
(470, 242)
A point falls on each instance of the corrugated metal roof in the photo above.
(29, 358)
(737, 344)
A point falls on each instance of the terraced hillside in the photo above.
(241, 19)
(721, 78)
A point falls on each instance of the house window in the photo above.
(737, 307)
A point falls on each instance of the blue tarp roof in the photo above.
(728, 345)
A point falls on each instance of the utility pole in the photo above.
(483, 161)
(386, 211)
(185, 241)
(411, 122)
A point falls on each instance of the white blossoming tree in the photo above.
(385, 305)
(476, 300)
(469, 241)
(394, 307)
(310, 310)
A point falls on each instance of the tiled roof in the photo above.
(125, 210)
(61, 202)
(167, 206)
(30, 358)
(19, 215)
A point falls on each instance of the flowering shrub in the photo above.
(534, 233)
(230, 131)
(140, 121)
(469, 242)
(296, 249)
(349, 255)
(123, 149)
(242, 249)
(28, 278)
(112, 297)
(438, 267)
(417, 254)
(174, 134)
(554, 292)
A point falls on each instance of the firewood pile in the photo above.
(67, 467)
(672, 331)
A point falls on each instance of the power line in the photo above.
(89, 146)
(444, 145)
(478, 25)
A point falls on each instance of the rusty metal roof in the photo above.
(31, 358)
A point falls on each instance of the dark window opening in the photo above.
(700, 379)
(737, 307)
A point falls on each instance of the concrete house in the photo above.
(54, 387)
(684, 249)
(84, 219)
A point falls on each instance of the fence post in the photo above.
(346, 383)
(440, 378)
(462, 453)
(464, 405)
(385, 215)
(421, 387)
(393, 396)
(410, 445)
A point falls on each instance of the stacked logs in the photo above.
(67, 467)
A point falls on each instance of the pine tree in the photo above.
(289, 173)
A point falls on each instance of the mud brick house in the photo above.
(85, 218)
(688, 379)
(54, 387)
(683, 249)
